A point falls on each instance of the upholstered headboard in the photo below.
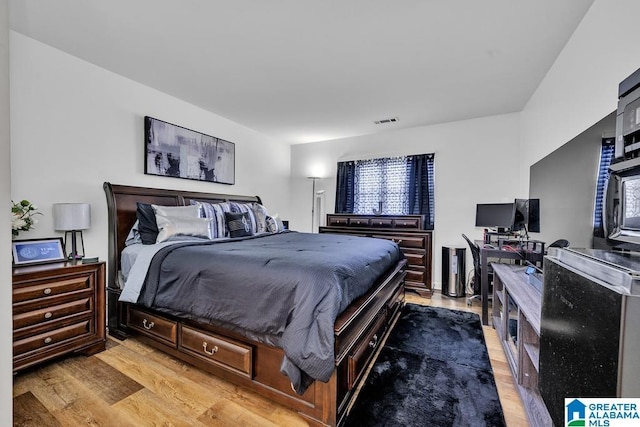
(122, 205)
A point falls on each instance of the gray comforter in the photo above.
(288, 286)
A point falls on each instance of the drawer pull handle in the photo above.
(48, 315)
(48, 340)
(47, 291)
(397, 241)
(374, 341)
(213, 351)
(147, 325)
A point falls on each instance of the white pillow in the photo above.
(170, 226)
(190, 211)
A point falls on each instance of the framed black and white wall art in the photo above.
(179, 152)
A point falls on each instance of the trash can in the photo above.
(453, 271)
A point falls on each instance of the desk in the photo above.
(532, 251)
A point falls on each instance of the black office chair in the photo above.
(477, 273)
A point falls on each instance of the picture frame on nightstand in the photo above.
(37, 251)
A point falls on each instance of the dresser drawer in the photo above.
(358, 222)
(337, 221)
(417, 259)
(408, 223)
(405, 241)
(51, 313)
(367, 345)
(51, 338)
(47, 288)
(153, 325)
(415, 275)
(224, 352)
(381, 222)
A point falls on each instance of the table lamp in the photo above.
(72, 218)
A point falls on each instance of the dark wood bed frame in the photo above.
(359, 330)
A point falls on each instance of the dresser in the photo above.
(57, 309)
(406, 230)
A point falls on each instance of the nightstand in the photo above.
(57, 309)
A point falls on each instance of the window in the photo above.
(606, 155)
(391, 185)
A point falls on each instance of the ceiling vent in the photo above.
(385, 121)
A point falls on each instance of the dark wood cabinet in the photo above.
(57, 309)
(406, 230)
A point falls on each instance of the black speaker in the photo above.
(534, 215)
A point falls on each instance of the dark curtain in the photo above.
(345, 187)
(606, 155)
(421, 187)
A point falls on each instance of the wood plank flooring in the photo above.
(131, 384)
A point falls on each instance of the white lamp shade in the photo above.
(71, 216)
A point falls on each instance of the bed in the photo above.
(274, 362)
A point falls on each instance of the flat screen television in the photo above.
(495, 215)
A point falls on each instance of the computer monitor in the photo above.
(495, 215)
(521, 214)
(526, 215)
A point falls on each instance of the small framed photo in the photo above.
(37, 251)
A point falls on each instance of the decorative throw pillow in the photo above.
(133, 238)
(238, 224)
(245, 207)
(172, 226)
(216, 212)
(191, 211)
(147, 227)
(261, 215)
(274, 224)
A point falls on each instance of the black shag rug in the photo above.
(434, 370)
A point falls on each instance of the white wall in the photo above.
(6, 338)
(476, 161)
(75, 125)
(582, 86)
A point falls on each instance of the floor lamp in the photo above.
(313, 199)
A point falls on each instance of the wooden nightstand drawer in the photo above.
(54, 312)
(51, 338)
(48, 288)
(151, 324)
(222, 351)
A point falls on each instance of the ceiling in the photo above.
(303, 71)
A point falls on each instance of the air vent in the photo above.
(385, 121)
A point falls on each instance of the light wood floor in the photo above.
(131, 384)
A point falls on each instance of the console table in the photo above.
(406, 230)
(516, 311)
